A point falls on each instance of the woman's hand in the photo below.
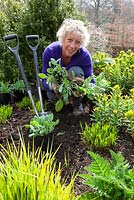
(79, 80)
(53, 87)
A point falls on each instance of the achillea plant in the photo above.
(109, 179)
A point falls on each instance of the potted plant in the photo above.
(41, 131)
(5, 93)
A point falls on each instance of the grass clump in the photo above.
(5, 113)
(31, 175)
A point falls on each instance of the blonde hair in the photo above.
(76, 26)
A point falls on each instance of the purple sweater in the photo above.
(82, 59)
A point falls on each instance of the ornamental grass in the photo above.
(32, 175)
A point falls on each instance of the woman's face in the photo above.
(71, 44)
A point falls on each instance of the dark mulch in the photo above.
(72, 152)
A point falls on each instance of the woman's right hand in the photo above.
(53, 87)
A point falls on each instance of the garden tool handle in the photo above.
(15, 51)
(34, 48)
(10, 37)
(30, 38)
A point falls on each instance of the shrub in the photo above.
(118, 71)
(110, 107)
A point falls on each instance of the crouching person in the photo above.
(70, 49)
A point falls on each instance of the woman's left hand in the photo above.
(79, 80)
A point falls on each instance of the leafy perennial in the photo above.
(42, 125)
(65, 87)
(71, 86)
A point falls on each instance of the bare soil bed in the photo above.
(67, 135)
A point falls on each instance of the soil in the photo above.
(72, 152)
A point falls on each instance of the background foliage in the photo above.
(29, 18)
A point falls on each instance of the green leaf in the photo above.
(42, 125)
(42, 76)
(90, 196)
(59, 105)
(53, 61)
(99, 166)
(60, 89)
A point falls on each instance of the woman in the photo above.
(73, 37)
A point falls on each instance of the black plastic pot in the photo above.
(5, 98)
(46, 142)
(18, 96)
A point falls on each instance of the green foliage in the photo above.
(43, 17)
(128, 119)
(13, 11)
(11, 15)
(28, 18)
(5, 113)
(90, 196)
(99, 135)
(56, 73)
(59, 76)
(59, 105)
(109, 179)
(25, 103)
(38, 107)
(18, 86)
(119, 70)
(92, 91)
(100, 61)
(68, 9)
(42, 125)
(110, 108)
(28, 174)
(5, 88)
(67, 87)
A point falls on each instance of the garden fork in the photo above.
(15, 51)
(29, 39)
